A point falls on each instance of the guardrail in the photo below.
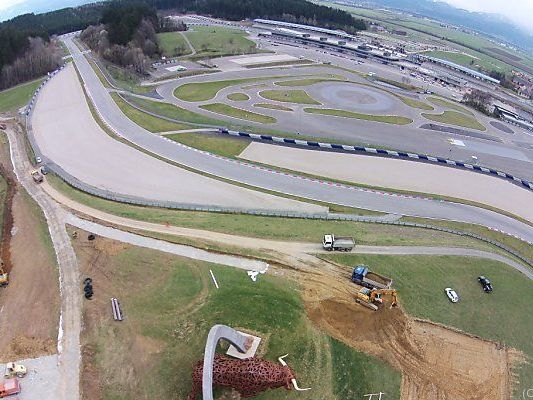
(381, 152)
(127, 199)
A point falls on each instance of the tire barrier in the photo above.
(378, 152)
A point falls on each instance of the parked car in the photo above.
(452, 295)
(485, 283)
(38, 160)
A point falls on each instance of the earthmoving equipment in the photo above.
(13, 370)
(9, 387)
(339, 243)
(4, 276)
(37, 176)
(368, 297)
(364, 277)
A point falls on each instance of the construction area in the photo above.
(433, 360)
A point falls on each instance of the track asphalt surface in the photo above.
(283, 182)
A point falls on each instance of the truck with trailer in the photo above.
(362, 276)
(338, 243)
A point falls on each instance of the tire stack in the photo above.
(88, 288)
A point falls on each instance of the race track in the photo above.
(285, 183)
(67, 133)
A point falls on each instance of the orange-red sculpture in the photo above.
(249, 376)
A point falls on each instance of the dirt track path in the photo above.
(70, 321)
(292, 249)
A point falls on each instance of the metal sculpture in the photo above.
(249, 376)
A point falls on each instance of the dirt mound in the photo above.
(436, 362)
(23, 347)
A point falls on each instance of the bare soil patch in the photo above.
(30, 305)
(436, 362)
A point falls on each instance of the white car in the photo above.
(38, 160)
(452, 295)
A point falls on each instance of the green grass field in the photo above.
(235, 112)
(458, 58)
(147, 121)
(289, 96)
(238, 97)
(389, 119)
(14, 98)
(169, 313)
(503, 315)
(455, 118)
(273, 106)
(173, 44)
(172, 111)
(444, 103)
(217, 41)
(226, 146)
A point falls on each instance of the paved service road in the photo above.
(285, 183)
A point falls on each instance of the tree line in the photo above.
(287, 10)
(130, 28)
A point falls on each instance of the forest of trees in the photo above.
(126, 36)
(301, 11)
(130, 29)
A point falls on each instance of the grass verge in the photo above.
(455, 118)
(14, 98)
(448, 104)
(502, 315)
(224, 146)
(169, 313)
(173, 44)
(147, 121)
(235, 112)
(289, 96)
(414, 103)
(238, 97)
(273, 107)
(173, 111)
(389, 119)
(218, 41)
(270, 227)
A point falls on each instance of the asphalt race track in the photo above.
(67, 133)
(279, 182)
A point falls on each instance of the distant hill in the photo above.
(38, 7)
(491, 24)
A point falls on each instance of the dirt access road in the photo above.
(436, 362)
(29, 307)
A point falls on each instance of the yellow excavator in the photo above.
(368, 297)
